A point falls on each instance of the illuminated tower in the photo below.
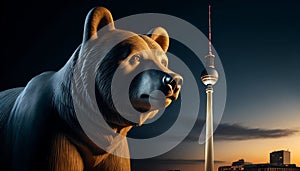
(209, 78)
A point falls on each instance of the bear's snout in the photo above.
(159, 87)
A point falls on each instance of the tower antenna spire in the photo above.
(209, 30)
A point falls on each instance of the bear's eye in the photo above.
(164, 63)
(135, 59)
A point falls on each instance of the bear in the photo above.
(39, 127)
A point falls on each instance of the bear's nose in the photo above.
(174, 81)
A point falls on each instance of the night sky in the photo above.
(257, 41)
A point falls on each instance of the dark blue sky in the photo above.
(252, 37)
(257, 41)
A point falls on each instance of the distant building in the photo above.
(240, 162)
(236, 166)
(279, 161)
(279, 158)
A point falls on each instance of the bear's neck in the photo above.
(63, 97)
(64, 102)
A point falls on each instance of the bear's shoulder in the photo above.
(36, 97)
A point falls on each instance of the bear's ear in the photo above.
(161, 36)
(96, 19)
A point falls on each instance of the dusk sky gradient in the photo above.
(258, 43)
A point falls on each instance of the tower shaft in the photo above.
(209, 146)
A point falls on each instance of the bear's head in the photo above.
(133, 80)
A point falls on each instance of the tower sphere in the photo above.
(209, 76)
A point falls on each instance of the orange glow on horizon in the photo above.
(257, 151)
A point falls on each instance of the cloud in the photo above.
(232, 132)
(239, 132)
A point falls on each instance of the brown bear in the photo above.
(39, 128)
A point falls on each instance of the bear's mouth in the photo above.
(148, 102)
(147, 96)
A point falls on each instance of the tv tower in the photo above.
(209, 77)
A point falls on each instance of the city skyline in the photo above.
(278, 161)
